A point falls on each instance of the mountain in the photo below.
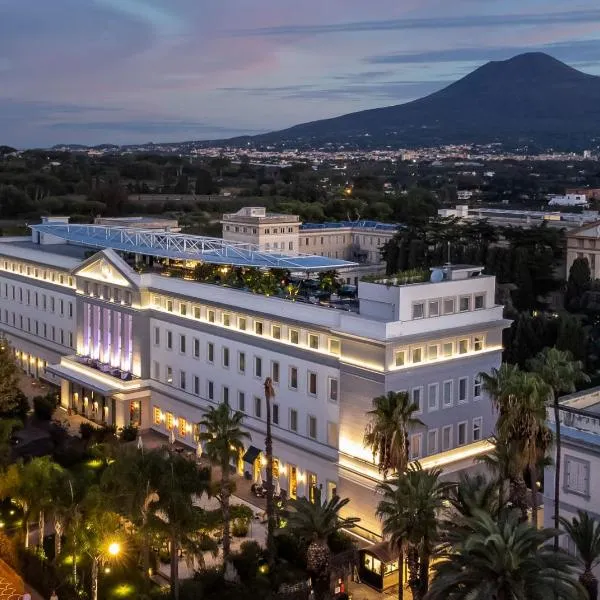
(530, 99)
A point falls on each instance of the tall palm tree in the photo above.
(408, 511)
(173, 512)
(561, 372)
(224, 440)
(585, 533)
(501, 463)
(269, 395)
(315, 523)
(387, 433)
(504, 559)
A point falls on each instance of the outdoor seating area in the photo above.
(105, 368)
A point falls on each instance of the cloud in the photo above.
(416, 23)
(572, 51)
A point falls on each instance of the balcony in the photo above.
(105, 368)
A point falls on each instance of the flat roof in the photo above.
(179, 246)
(352, 225)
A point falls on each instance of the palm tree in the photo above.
(392, 419)
(315, 523)
(408, 511)
(173, 512)
(224, 440)
(561, 372)
(585, 533)
(501, 463)
(269, 394)
(504, 559)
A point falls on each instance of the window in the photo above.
(418, 310)
(293, 419)
(294, 336)
(464, 303)
(400, 358)
(313, 341)
(182, 427)
(210, 389)
(448, 306)
(182, 344)
(242, 323)
(312, 427)
(182, 309)
(333, 389)
(276, 332)
(156, 416)
(478, 343)
(312, 383)
(417, 355)
(225, 395)
(241, 402)
(169, 340)
(196, 312)
(226, 319)
(258, 327)
(432, 397)
(477, 387)
(170, 305)
(257, 366)
(432, 352)
(182, 380)
(210, 315)
(275, 371)
(462, 389)
(416, 395)
(210, 356)
(225, 357)
(293, 378)
(275, 415)
(196, 385)
(479, 301)
(169, 375)
(477, 426)
(463, 346)
(446, 438)
(335, 346)
(241, 362)
(447, 391)
(157, 336)
(434, 308)
(196, 348)
(415, 445)
(170, 421)
(462, 434)
(448, 349)
(257, 407)
(432, 441)
(577, 476)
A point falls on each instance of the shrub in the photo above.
(239, 529)
(43, 576)
(340, 542)
(8, 552)
(246, 561)
(129, 433)
(291, 549)
(44, 406)
(86, 431)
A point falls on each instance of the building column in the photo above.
(65, 393)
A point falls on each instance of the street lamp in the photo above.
(114, 548)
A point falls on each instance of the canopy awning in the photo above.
(251, 454)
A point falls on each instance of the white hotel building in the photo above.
(157, 351)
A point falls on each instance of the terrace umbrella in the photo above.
(199, 449)
(259, 480)
(172, 437)
(140, 443)
(277, 488)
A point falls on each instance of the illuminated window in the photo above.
(463, 346)
(182, 309)
(157, 415)
(400, 358)
(417, 355)
(448, 349)
(432, 352)
(276, 332)
(242, 323)
(258, 327)
(226, 319)
(313, 341)
(478, 343)
(210, 315)
(294, 336)
(335, 346)
(169, 421)
(170, 305)
(182, 427)
(196, 312)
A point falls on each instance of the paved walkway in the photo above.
(7, 591)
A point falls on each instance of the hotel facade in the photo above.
(130, 345)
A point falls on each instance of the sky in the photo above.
(136, 71)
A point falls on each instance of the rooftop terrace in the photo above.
(180, 246)
(352, 225)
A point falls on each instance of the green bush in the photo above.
(86, 431)
(44, 406)
(291, 549)
(43, 576)
(129, 433)
(246, 561)
(239, 529)
(340, 542)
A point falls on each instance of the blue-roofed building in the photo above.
(579, 417)
(140, 325)
(357, 241)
